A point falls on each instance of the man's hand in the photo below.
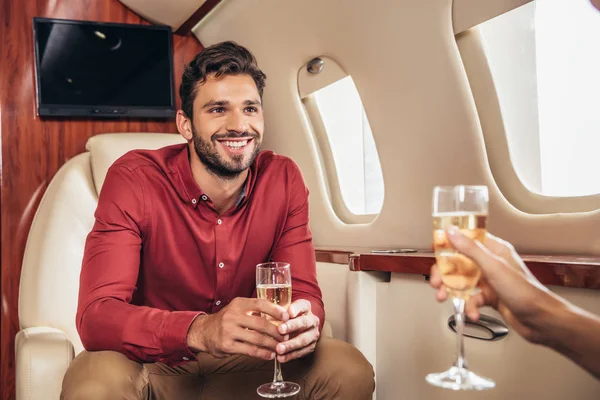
(237, 330)
(303, 328)
(506, 285)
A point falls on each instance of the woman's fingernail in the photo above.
(283, 328)
(452, 230)
(272, 356)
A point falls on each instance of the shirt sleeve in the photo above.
(105, 318)
(296, 247)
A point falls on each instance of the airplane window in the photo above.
(352, 146)
(544, 60)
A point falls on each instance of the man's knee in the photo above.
(353, 370)
(88, 389)
(103, 376)
(345, 371)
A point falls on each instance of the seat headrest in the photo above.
(106, 148)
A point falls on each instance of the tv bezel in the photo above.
(102, 111)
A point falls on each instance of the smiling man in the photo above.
(167, 303)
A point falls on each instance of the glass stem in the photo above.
(277, 376)
(459, 311)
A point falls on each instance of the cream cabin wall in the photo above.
(405, 62)
(413, 340)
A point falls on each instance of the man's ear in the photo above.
(184, 125)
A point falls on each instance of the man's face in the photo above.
(228, 124)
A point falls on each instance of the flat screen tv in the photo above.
(86, 68)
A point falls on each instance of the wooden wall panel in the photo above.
(34, 149)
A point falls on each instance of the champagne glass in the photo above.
(465, 207)
(274, 283)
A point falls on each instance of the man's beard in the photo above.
(212, 160)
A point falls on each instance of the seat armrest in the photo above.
(42, 356)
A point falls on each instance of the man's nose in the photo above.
(237, 122)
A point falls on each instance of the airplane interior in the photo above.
(377, 102)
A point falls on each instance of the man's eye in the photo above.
(251, 109)
(216, 110)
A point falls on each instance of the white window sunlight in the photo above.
(352, 146)
(545, 61)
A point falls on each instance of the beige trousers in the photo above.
(336, 370)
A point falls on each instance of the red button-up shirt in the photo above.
(160, 254)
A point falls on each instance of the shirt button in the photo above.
(221, 265)
(218, 302)
(219, 222)
(204, 197)
(193, 201)
(186, 359)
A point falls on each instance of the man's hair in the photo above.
(225, 58)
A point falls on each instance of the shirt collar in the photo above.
(189, 191)
(242, 194)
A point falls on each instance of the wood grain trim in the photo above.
(200, 13)
(33, 149)
(558, 270)
(333, 256)
(411, 263)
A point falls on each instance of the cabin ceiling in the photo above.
(469, 13)
(465, 13)
(173, 13)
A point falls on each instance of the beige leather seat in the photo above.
(48, 339)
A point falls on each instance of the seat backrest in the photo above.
(52, 261)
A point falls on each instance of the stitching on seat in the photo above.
(66, 354)
(29, 383)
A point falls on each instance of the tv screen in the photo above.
(86, 68)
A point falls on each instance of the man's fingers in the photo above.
(277, 312)
(255, 338)
(253, 313)
(297, 354)
(238, 347)
(301, 341)
(261, 325)
(301, 323)
(299, 307)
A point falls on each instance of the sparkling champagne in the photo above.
(459, 273)
(280, 294)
